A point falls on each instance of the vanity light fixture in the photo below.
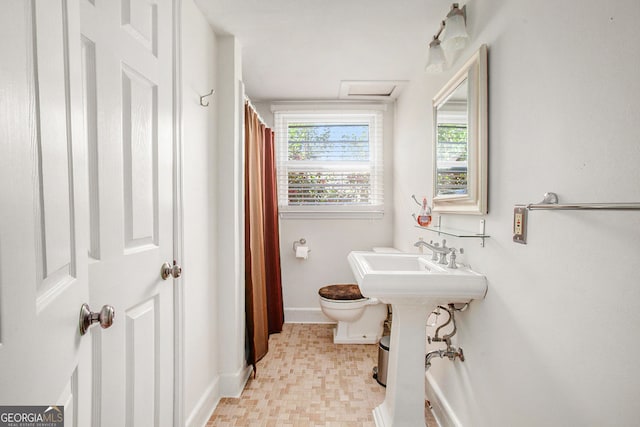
(454, 37)
(436, 61)
(455, 30)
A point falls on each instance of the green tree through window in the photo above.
(318, 142)
(452, 152)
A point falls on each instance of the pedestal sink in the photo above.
(414, 286)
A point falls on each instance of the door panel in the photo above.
(89, 77)
(142, 331)
(69, 398)
(139, 112)
(53, 143)
(140, 19)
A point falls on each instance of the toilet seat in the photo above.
(341, 292)
(342, 297)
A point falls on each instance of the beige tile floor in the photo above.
(306, 380)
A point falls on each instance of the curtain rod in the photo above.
(255, 110)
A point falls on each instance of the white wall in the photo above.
(201, 373)
(554, 341)
(330, 241)
(230, 316)
(213, 277)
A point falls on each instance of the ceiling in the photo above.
(304, 49)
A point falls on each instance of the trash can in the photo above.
(380, 371)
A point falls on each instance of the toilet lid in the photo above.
(345, 292)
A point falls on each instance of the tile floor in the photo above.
(306, 380)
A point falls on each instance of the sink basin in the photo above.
(414, 286)
(376, 261)
(414, 276)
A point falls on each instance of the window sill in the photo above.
(331, 214)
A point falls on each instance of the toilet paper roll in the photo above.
(302, 252)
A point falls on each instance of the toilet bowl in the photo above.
(360, 320)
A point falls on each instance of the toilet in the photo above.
(360, 320)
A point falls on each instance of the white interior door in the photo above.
(43, 229)
(127, 74)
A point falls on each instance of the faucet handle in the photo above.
(452, 258)
(434, 254)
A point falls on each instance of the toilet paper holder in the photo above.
(297, 243)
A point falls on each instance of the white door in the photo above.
(127, 74)
(43, 194)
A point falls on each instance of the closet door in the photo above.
(127, 75)
(44, 360)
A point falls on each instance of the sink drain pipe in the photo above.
(450, 352)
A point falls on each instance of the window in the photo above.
(329, 162)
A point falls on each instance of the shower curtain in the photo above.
(263, 288)
(275, 312)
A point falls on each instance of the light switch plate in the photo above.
(520, 224)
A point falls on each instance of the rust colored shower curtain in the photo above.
(263, 288)
(275, 311)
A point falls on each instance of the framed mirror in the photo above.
(460, 140)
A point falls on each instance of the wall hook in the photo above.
(204, 96)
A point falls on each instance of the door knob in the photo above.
(170, 270)
(87, 318)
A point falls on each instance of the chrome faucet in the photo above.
(452, 257)
(439, 253)
(434, 247)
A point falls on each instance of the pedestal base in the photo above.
(403, 405)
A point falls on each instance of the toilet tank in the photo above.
(385, 250)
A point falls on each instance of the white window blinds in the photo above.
(329, 162)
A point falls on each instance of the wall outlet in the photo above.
(520, 224)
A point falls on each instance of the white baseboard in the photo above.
(305, 315)
(225, 385)
(231, 385)
(441, 409)
(205, 406)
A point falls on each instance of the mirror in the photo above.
(460, 140)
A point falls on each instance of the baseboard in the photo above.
(225, 385)
(305, 315)
(231, 385)
(205, 406)
(441, 409)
